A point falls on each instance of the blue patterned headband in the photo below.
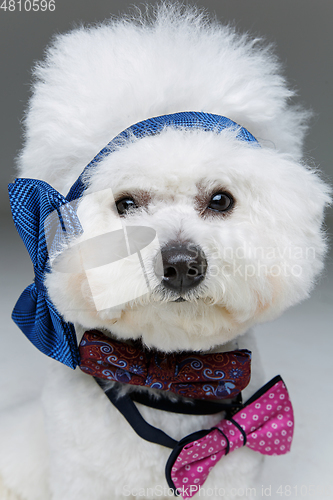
(32, 203)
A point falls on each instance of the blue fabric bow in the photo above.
(34, 203)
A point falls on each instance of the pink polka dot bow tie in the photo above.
(264, 424)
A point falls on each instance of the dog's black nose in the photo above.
(184, 266)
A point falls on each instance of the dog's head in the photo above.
(238, 240)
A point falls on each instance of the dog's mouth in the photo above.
(162, 294)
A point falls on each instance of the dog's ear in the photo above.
(309, 195)
(298, 198)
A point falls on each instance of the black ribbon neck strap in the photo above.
(126, 406)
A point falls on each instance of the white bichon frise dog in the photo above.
(182, 233)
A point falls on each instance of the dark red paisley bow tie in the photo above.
(189, 374)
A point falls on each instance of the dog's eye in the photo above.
(125, 205)
(221, 202)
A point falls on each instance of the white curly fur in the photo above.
(94, 83)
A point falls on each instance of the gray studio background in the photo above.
(302, 32)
